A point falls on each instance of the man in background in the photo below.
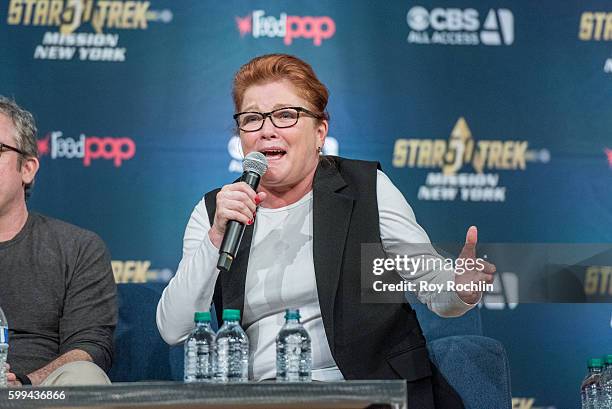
(56, 283)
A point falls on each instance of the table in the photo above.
(173, 395)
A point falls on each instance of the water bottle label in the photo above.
(3, 335)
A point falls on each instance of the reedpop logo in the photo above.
(453, 26)
(287, 27)
(331, 147)
(87, 148)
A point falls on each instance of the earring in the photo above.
(318, 149)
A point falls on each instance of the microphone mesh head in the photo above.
(255, 162)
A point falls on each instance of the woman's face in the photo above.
(291, 152)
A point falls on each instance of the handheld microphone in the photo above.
(255, 165)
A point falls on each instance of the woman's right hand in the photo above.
(237, 201)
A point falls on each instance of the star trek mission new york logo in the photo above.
(83, 30)
(448, 158)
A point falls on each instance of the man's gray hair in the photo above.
(25, 131)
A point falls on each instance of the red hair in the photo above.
(276, 67)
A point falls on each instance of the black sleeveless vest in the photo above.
(367, 341)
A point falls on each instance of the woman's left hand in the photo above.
(482, 271)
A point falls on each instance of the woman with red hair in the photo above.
(302, 246)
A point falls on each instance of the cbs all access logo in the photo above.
(454, 26)
(234, 148)
(88, 148)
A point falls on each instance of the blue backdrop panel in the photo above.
(491, 113)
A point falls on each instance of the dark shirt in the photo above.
(58, 293)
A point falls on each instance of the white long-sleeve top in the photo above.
(280, 275)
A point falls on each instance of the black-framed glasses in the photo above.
(251, 121)
(4, 148)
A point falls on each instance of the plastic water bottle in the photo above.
(232, 346)
(591, 387)
(606, 384)
(293, 350)
(3, 347)
(200, 350)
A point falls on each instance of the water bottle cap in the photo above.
(292, 314)
(595, 363)
(201, 316)
(231, 315)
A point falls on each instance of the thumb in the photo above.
(261, 196)
(471, 238)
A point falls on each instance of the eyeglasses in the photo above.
(252, 121)
(5, 148)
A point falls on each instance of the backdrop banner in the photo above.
(489, 113)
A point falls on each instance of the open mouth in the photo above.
(274, 153)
